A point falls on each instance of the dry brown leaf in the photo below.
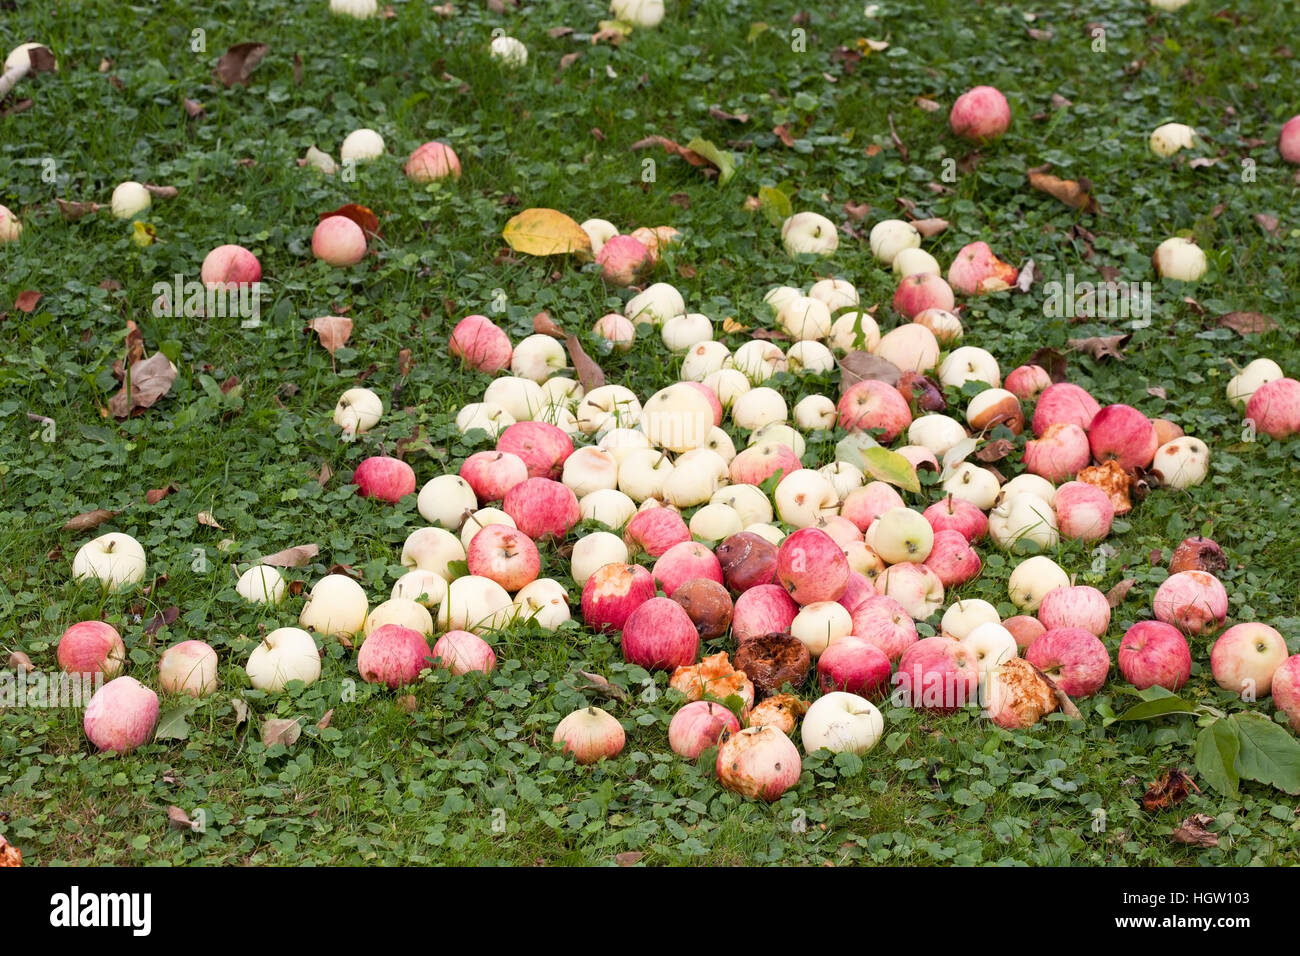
(1157, 392)
(134, 343)
(543, 324)
(782, 133)
(18, 106)
(718, 114)
(240, 707)
(161, 192)
(995, 450)
(1101, 347)
(362, 216)
(859, 366)
(1025, 279)
(155, 495)
(404, 363)
(675, 149)
(928, 105)
(294, 557)
(730, 326)
(1202, 162)
(1247, 323)
(90, 519)
(1268, 223)
(164, 618)
(72, 211)
(408, 703)
(237, 63)
(1115, 596)
(205, 518)
(279, 730)
(151, 379)
(598, 684)
(630, 858)
(193, 108)
(1170, 789)
(929, 227)
(333, 331)
(568, 59)
(325, 721)
(26, 301)
(178, 819)
(1069, 191)
(18, 661)
(590, 375)
(1195, 831)
(856, 211)
(556, 33)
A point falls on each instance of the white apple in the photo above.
(782, 434)
(1031, 579)
(778, 296)
(911, 346)
(809, 357)
(656, 305)
(992, 644)
(889, 237)
(130, 198)
(803, 496)
(538, 357)
(1169, 138)
(432, 549)
(714, 522)
(1243, 385)
(1179, 258)
(726, 383)
(720, 443)
(758, 360)
(749, 501)
(677, 418)
(114, 559)
(1023, 517)
(488, 416)
(768, 532)
(970, 364)
(446, 501)
(286, 654)
(809, 232)
(844, 476)
(805, 318)
(972, 483)
(842, 723)
(855, 331)
(545, 602)
(561, 418)
(559, 390)
(592, 552)
(819, 623)
(476, 604)
(261, 584)
(936, 432)
(522, 398)
(643, 473)
(964, 616)
(361, 145)
(599, 231)
(508, 51)
(836, 293)
(911, 261)
(607, 506)
(945, 325)
(609, 406)
(335, 606)
(815, 413)
(619, 441)
(357, 411)
(703, 359)
(681, 332)
(590, 469)
(758, 407)
(401, 611)
(1181, 463)
(420, 585)
(901, 534)
(1029, 484)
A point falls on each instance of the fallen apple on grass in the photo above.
(461, 652)
(698, 726)
(980, 115)
(590, 734)
(385, 478)
(1193, 601)
(1285, 690)
(91, 647)
(114, 559)
(855, 665)
(286, 654)
(1153, 654)
(809, 232)
(432, 161)
(1245, 658)
(338, 241)
(1075, 659)
(121, 715)
(660, 635)
(842, 723)
(938, 674)
(760, 763)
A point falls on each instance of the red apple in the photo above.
(885, 623)
(977, 270)
(811, 566)
(957, 514)
(857, 590)
(922, 291)
(655, 530)
(660, 635)
(1192, 601)
(1064, 403)
(698, 725)
(758, 763)
(1024, 629)
(91, 647)
(1027, 382)
(1122, 433)
(864, 505)
(431, 161)
(388, 479)
(871, 404)
(1198, 554)
(393, 655)
(761, 610)
(937, 674)
(1075, 606)
(1060, 453)
(757, 463)
(612, 593)
(1074, 658)
(1275, 408)
(953, 559)
(980, 115)
(1083, 511)
(228, 267)
(541, 446)
(685, 561)
(338, 241)
(541, 507)
(492, 473)
(504, 554)
(1155, 654)
(463, 651)
(480, 344)
(855, 665)
(1286, 690)
(121, 715)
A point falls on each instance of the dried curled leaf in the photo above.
(90, 519)
(1247, 323)
(362, 216)
(1101, 347)
(859, 366)
(1115, 596)
(238, 63)
(333, 331)
(1170, 789)
(278, 730)
(1195, 831)
(1072, 192)
(929, 227)
(294, 557)
(151, 379)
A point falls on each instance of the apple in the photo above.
(393, 655)
(189, 667)
(91, 647)
(542, 507)
(1286, 687)
(939, 433)
(936, 674)
(842, 722)
(855, 665)
(612, 593)
(1288, 143)
(945, 325)
(885, 623)
(758, 360)
(953, 513)
(1243, 385)
(490, 474)
(599, 231)
(1192, 601)
(809, 358)
(129, 200)
(889, 237)
(1155, 654)
(980, 115)
(1075, 606)
(1083, 511)
(404, 611)
(804, 496)
(286, 654)
(1023, 518)
(479, 520)
(660, 635)
(537, 358)
(1182, 463)
(749, 501)
(432, 549)
(357, 9)
(656, 305)
(1179, 258)
(952, 559)
(1061, 453)
(921, 292)
(461, 652)
(871, 404)
(474, 603)
(698, 725)
(708, 605)
(855, 331)
(804, 318)
(976, 270)
(966, 615)
(592, 552)
(620, 441)
(508, 51)
(358, 410)
(912, 347)
(758, 407)
(114, 559)
(506, 555)
(608, 507)
(643, 473)
(694, 478)
(1025, 629)
(10, 227)
(762, 609)
(591, 735)
(809, 232)
(992, 644)
(1027, 382)
(385, 478)
(705, 359)
(480, 344)
(622, 260)
(1245, 658)
(901, 534)
(447, 500)
(486, 416)
(336, 605)
(229, 267)
(677, 418)
(1166, 431)
(542, 447)
(1198, 554)
(818, 624)
(715, 522)
(726, 384)
(617, 331)
(361, 145)
(684, 562)
(995, 406)
(338, 241)
(1169, 138)
(544, 602)
(815, 413)
(916, 587)
(1031, 579)
(424, 587)
(836, 293)
(1064, 403)
(858, 590)
(760, 763)
(746, 561)
(812, 567)
(1275, 408)
(1016, 696)
(910, 261)
(121, 715)
(432, 161)
(655, 531)
(1122, 433)
(1073, 658)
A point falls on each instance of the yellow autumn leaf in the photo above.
(545, 232)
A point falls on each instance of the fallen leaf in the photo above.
(1202, 162)
(26, 301)
(1157, 392)
(161, 192)
(730, 326)
(1268, 223)
(995, 450)
(205, 518)
(362, 216)
(178, 819)
(567, 60)
(630, 858)
(193, 108)
(894, 138)
(134, 343)
(597, 684)
(1101, 347)
(545, 232)
(1069, 191)
(1035, 34)
(1194, 831)
(859, 366)
(18, 106)
(718, 114)
(72, 211)
(1025, 280)
(929, 227)
(237, 63)
(556, 33)
(1171, 788)
(294, 557)
(90, 519)
(150, 380)
(782, 133)
(155, 495)
(543, 324)
(404, 363)
(326, 473)
(229, 385)
(325, 721)
(1115, 596)
(240, 707)
(928, 105)
(333, 331)
(857, 211)
(590, 375)
(279, 730)
(1247, 323)
(297, 70)
(1059, 102)
(164, 618)
(18, 661)
(408, 703)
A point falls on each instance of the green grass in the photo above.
(470, 776)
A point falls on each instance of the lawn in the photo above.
(811, 113)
